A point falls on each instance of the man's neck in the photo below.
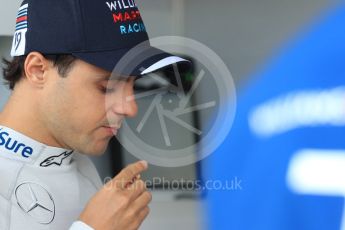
(22, 115)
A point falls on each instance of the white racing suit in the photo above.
(42, 187)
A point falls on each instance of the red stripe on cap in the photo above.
(24, 18)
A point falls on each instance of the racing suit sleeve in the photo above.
(79, 225)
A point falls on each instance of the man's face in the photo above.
(75, 111)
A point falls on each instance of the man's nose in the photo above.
(130, 107)
(124, 103)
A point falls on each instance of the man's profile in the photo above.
(64, 52)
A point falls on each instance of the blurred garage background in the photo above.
(244, 33)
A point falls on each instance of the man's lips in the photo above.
(111, 130)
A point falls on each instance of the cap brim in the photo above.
(151, 60)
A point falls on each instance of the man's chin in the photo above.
(93, 147)
(95, 150)
(98, 152)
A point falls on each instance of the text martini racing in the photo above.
(124, 13)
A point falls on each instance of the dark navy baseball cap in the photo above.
(99, 32)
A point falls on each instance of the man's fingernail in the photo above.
(144, 163)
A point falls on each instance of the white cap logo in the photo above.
(19, 39)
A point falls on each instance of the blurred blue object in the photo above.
(287, 144)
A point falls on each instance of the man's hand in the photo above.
(122, 204)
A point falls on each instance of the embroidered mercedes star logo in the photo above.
(36, 202)
(57, 160)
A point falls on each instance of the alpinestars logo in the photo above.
(56, 160)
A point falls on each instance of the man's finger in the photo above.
(136, 189)
(142, 215)
(126, 176)
(133, 180)
(142, 201)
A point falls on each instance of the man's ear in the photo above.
(35, 68)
